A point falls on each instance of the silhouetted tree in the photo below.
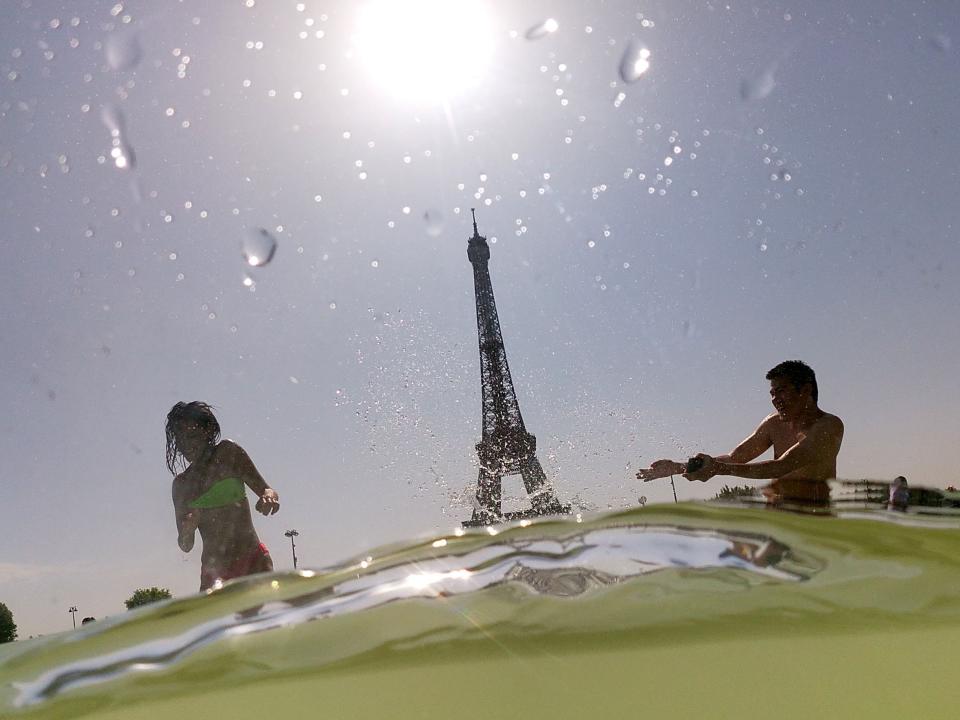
(145, 596)
(737, 491)
(8, 628)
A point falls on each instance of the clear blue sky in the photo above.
(638, 323)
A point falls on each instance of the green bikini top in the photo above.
(223, 492)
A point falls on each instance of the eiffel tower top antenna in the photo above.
(473, 211)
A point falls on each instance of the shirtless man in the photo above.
(210, 495)
(805, 441)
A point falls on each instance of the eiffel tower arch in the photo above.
(506, 448)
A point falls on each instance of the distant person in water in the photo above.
(804, 438)
(210, 483)
(899, 498)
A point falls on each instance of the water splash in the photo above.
(259, 247)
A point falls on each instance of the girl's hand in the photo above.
(269, 502)
(190, 522)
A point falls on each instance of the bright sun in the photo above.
(425, 50)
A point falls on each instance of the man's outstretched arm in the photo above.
(818, 441)
(754, 446)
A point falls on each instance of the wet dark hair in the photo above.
(798, 373)
(195, 412)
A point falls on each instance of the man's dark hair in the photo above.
(193, 412)
(798, 373)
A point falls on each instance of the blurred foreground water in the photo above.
(667, 611)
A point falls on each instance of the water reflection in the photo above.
(563, 566)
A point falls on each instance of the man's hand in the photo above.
(269, 502)
(706, 471)
(661, 469)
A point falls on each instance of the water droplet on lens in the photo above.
(123, 50)
(545, 28)
(635, 62)
(434, 222)
(121, 152)
(760, 86)
(941, 42)
(259, 247)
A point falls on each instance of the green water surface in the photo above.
(618, 615)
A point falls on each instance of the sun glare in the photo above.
(425, 50)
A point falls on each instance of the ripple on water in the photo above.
(648, 592)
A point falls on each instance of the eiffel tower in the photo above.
(506, 448)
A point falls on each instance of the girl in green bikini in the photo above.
(209, 494)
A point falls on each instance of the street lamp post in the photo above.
(293, 546)
(73, 614)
